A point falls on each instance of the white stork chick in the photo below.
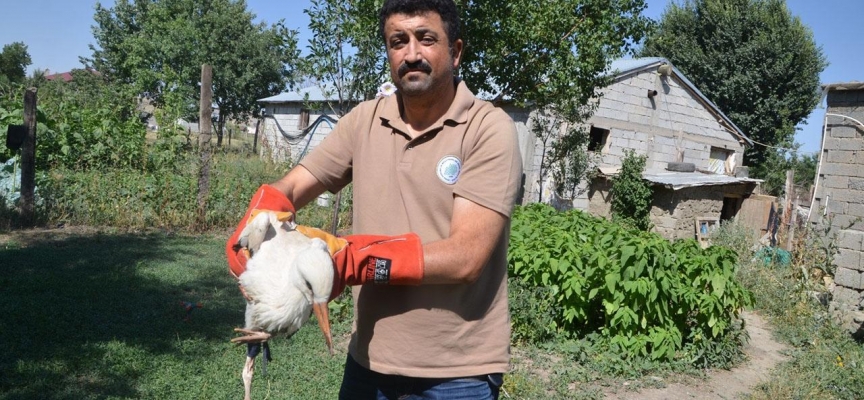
(287, 277)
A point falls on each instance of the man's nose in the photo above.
(413, 52)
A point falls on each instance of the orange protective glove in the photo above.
(377, 259)
(267, 198)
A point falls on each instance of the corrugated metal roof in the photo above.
(315, 93)
(853, 85)
(680, 180)
(621, 67)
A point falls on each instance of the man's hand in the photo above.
(267, 198)
(382, 260)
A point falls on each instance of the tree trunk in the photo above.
(204, 136)
(255, 140)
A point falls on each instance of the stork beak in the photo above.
(323, 315)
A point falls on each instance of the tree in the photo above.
(14, 60)
(158, 47)
(753, 59)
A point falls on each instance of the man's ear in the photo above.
(456, 52)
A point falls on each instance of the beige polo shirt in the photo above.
(404, 184)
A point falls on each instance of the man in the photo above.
(436, 172)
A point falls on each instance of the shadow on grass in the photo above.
(82, 314)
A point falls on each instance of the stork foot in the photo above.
(250, 336)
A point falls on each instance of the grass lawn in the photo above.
(89, 315)
(98, 316)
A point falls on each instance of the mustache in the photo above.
(418, 65)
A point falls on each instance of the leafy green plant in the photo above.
(631, 195)
(644, 295)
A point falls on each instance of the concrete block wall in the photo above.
(286, 117)
(841, 194)
(674, 120)
(659, 127)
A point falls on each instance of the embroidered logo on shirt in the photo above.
(448, 169)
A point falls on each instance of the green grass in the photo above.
(99, 317)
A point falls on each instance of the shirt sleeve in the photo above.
(492, 167)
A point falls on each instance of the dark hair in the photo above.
(446, 9)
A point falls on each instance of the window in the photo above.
(721, 161)
(599, 139)
(303, 121)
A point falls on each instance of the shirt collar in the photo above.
(457, 113)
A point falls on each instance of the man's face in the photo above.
(419, 53)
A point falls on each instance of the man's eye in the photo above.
(428, 40)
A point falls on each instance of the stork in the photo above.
(288, 277)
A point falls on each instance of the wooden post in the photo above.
(793, 221)
(205, 125)
(28, 159)
(255, 140)
(787, 201)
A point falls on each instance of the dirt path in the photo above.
(764, 354)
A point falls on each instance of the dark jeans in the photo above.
(359, 383)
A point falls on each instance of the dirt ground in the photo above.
(763, 352)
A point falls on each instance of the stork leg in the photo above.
(248, 370)
(251, 338)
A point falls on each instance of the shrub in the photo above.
(631, 195)
(644, 295)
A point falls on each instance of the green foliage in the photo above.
(165, 198)
(132, 199)
(644, 296)
(159, 47)
(774, 170)
(14, 60)
(752, 58)
(737, 237)
(631, 195)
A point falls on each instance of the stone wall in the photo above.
(840, 192)
(673, 212)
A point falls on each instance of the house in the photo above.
(693, 150)
(838, 199)
(295, 122)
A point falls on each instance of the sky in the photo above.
(57, 32)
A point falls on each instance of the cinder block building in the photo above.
(839, 191)
(653, 109)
